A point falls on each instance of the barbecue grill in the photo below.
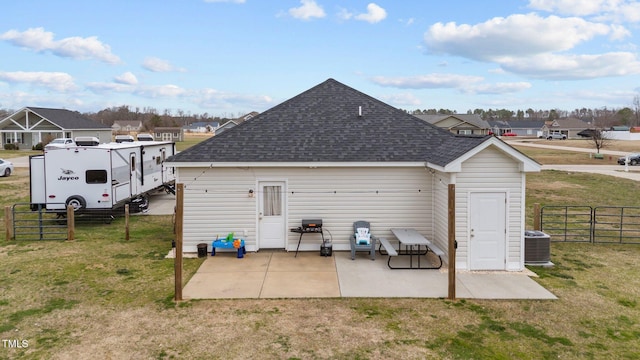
(309, 226)
(313, 225)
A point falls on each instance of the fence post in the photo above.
(8, 223)
(537, 222)
(71, 223)
(126, 221)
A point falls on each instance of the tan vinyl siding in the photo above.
(491, 169)
(217, 201)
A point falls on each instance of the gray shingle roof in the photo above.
(323, 124)
(67, 119)
(473, 119)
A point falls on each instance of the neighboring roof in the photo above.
(569, 123)
(67, 119)
(323, 124)
(526, 124)
(473, 119)
(246, 117)
(226, 126)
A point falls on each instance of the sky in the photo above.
(230, 57)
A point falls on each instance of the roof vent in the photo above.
(360, 111)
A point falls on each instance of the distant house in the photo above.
(531, 128)
(168, 134)
(461, 124)
(499, 127)
(32, 125)
(202, 127)
(359, 159)
(226, 126)
(126, 126)
(569, 126)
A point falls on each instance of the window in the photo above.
(465, 132)
(11, 138)
(96, 176)
(272, 200)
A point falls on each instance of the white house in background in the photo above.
(202, 127)
(126, 126)
(339, 155)
(32, 125)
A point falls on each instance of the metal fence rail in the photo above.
(602, 224)
(616, 224)
(567, 223)
(37, 224)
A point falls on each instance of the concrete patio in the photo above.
(279, 274)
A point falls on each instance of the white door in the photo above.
(133, 177)
(487, 231)
(271, 215)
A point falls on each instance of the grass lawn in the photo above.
(102, 297)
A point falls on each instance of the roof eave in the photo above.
(302, 164)
(526, 164)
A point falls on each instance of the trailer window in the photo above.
(96, 176)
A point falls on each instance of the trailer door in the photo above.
(133, 177)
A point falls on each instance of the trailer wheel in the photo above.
(77, 202)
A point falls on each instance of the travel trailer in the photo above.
(100, 177)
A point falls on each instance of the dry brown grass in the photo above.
(615, 145)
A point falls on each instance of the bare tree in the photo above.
(599, 139)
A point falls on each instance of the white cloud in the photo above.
(408, 22)
(211, 98)
(535, 46)
(431, 81)
(57, 81)
(344, 14)
(617, 10)
(159, 65)
(571, 67)
(373, 15)
(127, 78)
(147, 91)
(402, 99)
(309, 9)
(168, 90)
(497, 88)
(463, 83)
(516, 35)
(39, 40)
(574, 7)
(101, 88)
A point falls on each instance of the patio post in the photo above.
(452, 241)
(177, 262)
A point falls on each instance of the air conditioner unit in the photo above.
(537, 248)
